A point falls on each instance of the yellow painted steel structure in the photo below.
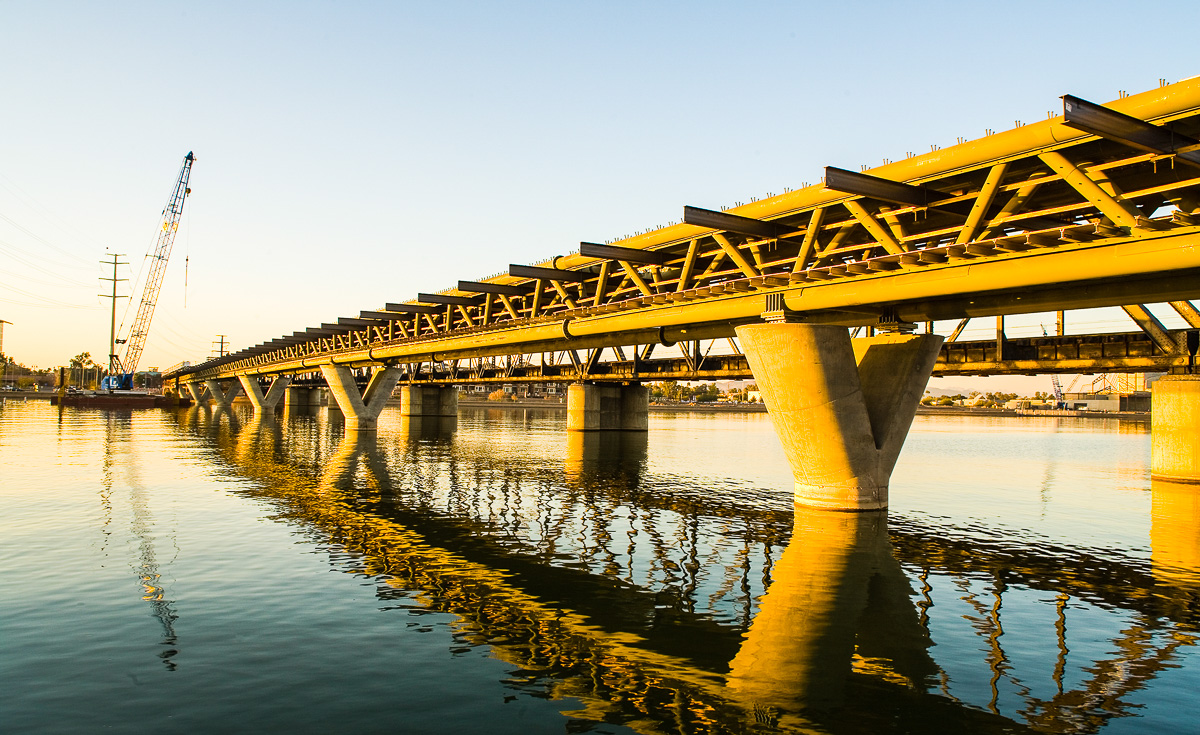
(1048, 216)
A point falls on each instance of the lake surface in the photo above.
(203, 571)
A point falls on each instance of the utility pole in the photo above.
(114, 365)
(2, 323)
(220, 344)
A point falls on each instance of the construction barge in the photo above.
(118, 400)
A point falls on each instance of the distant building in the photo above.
(1139, 401)
(519, 390)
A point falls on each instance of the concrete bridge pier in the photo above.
(361, 410)
(223, 398)
(1175, 428)
(607, 407)
(264, 403)
(429, 400)
(301, 400)
(196, 388)
(842, 408)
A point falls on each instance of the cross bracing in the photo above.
(1099, 206)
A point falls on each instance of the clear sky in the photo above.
(353, 153)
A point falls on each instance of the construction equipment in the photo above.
(1058, 391)
(122, 369)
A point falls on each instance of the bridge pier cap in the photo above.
(841, 407)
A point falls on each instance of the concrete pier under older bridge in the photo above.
(1096, 207)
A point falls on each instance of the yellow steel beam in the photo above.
(562, 293)
(689, 262)
(982, 202)
(718, 258)
(636, 277)
(842, 233)
(958, 330)
(536, 305)
(808, 247)
(1011, 207)
(1121, 213)
(508, 306)
(735, 255)
(601, 284)
(878, 231)
(1188, 312)
(1152, 327)
(1150, 266)
(892, 220)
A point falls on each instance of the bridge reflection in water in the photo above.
(666, 609)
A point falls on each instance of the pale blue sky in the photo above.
(350, 154)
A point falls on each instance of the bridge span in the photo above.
(1096, 207)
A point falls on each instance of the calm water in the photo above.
(195, 571)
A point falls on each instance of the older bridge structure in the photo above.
(1099, 206)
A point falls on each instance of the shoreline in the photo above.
(724, 408)
(761, 408)
(666, 407)
(1031, 413)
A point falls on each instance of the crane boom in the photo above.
(136, 341)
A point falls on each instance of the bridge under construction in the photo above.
(1096, 207)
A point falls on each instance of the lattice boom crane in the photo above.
(123, 368)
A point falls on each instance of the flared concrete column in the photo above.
(607, 407)
(361, 410)
(223, 397)
(254, 392)
(1175, 428)
(841, 408)
(197, 389)
(428, 400)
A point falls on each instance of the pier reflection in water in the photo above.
(668, 609)
(654, 582)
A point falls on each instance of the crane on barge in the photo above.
(122, 369)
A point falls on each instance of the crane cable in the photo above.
(187, 249)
